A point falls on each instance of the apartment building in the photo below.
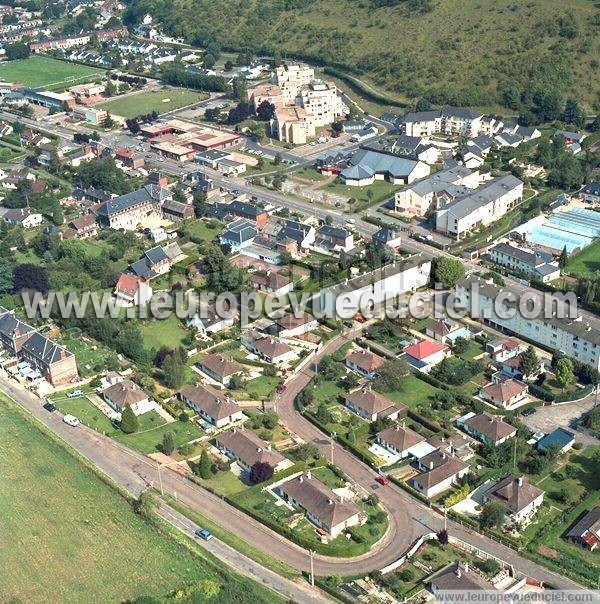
(576, 338)
(453, 121)
(418, 198)
(533, 264)
(320, 100)
(293, 125)
(464, 214)
(290, 77)
(371, 289)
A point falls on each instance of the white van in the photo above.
(71, 420)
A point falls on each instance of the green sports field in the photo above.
(49, 73)
(68, 537)
(140, 103)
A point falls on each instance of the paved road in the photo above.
(299, 592)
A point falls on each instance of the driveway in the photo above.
(566, 415)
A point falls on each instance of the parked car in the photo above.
(203, 534)
(383, 480)
(75, 393)
(71, 420)
(535, 437)
(528, 411)
(49, 406)
(281, 389)
(360, 319)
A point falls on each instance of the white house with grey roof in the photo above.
(371, 289)
(456, 121)
(239, 234)
(577, 338)
(465, 213)
(215, 407)
(533, 264)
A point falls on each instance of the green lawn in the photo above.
(84, 410)
(162, 332)
(225, 483)
(201, 229)
(310, 173)
(67, 537)
(585, 262)
(163, 101)
(50, 73)
(415, 392)
(379, 191)
(149, 439)
(258, 389)
(91, 358)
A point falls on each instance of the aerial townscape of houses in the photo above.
(356, 215)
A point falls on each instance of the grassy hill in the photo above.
(466, 52)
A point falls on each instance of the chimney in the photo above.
(431, 465)
(466, 567)
(330, 501)
(457, 572)
(269, 447)
(259, 450)
(309, 475)
(301, 479)
(443, 455)
(520, 481)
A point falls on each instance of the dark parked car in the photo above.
(50, 407)
(528, 411)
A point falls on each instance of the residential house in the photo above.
(447, 331)
(238, 234)
(455, 121)
(327, 510)
(511, 367)
(519, 497)
(560, 439)
(371, 405)
(84, 227)
(504, 393)
(334, 238)
(270, 281)
(586, 532)
(24, 217)
(129, 158)
(399, 440)
(176, 210)
(212, 406)
(291, 324)
(425, 354)
(439, 471)
(271, 350)
(153, 263)
(383, 285)
(457, 578)
(387, 237)
(124, 393)
(220, 367)
(364, 362)
(131, 290)
(247, 449)
(488, 429)
(591, 192)
(56, 364)
(208, 320)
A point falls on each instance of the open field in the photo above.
(585, 262)
(50, 73)
(163, 101)
(67, 537)
(162, 332)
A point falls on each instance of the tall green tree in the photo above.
(564, 372)
(492, 515)
(529, 363)
(173, 371)
(563, 258)
(129, 421)
(168, 443)
(204, 465)
(447, 271)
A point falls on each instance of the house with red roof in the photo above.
(132, 291)
(504, 393)
(129, 158)
(425, 354)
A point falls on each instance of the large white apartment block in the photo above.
(455, 121)
(577, 338)
(321, 101)
(290, 77)
(370, 290)
(422, 195)
(480, 207)
(293, 125)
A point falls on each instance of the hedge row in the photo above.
(548, 396)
